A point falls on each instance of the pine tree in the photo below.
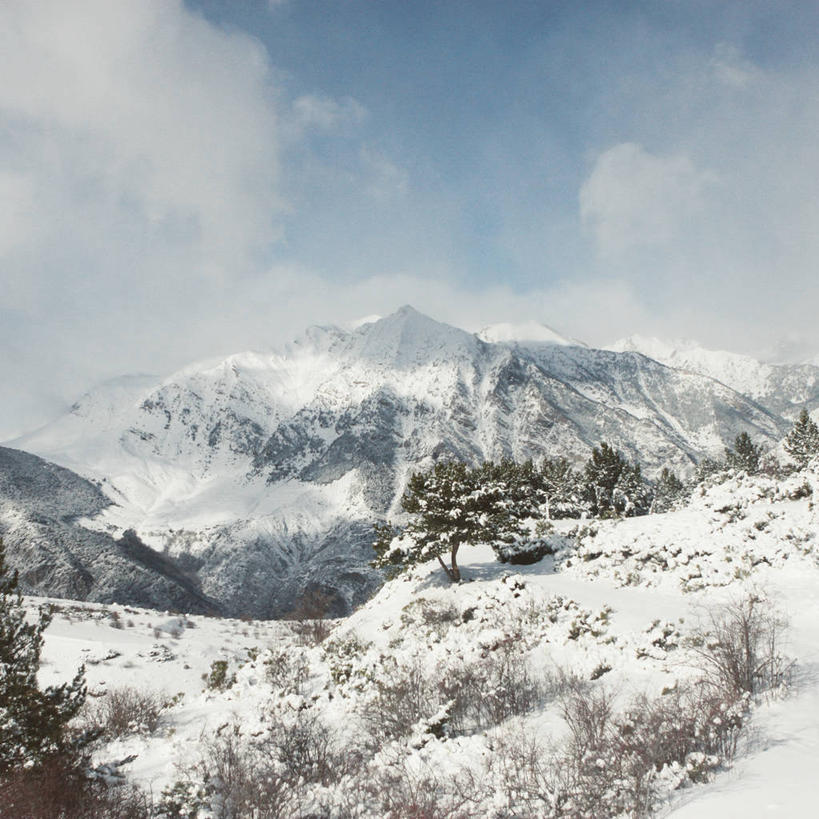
(561, 487)
(745, 455)
(667, 491)
(449, 508)
(453, 505)
(802, 442)
(614, 485)
(32, 721)
(601, 473)
(706, 468)
(632, 495)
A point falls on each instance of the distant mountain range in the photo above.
(781, 388)
(257, 477)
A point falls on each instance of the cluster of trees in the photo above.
(454, 504)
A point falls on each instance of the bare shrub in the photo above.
(403, 697)
(123, 711)
(487, 693)
(533, 780)
(588, 712)
(306, 749)
(266, 778)
(308, 620)
(461, 698)
(615, 757)
(239, 784)
(738, 648)
(438, 616)
(287, 670)
(403, 790)
(230, 782)
(60, 788)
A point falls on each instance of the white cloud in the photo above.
(325, 113)
(141, 112)
(139, 178)
(633, 198)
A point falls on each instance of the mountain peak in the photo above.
(408, 338)
(525, 332)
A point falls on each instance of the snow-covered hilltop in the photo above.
(579, 685)
(262, 473)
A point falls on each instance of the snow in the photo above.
(179, 452)
(740, 372)
(528, 331)
(624, 597)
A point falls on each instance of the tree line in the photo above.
(453, 504)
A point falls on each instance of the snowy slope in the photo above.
(782, 388)
(585, 610)
(266, 470)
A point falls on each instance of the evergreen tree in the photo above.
(561, 487)
(614, 485)
(745, 455)
(450, 505)
(32, 721)
(601, 473)
(708, 467)
(667, 491)
(802, 442)
(632, 495)
(453, 505)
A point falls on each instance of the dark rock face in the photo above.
(40, 504)
(268, 576)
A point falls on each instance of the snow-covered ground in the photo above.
(618, 610)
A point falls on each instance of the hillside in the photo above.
(453, 699)
(41, 506)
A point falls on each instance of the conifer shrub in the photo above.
(34, 722)
(218, 679)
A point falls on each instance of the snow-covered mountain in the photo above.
(782, 388)
(39, 505)
(527, 331)
(263, 473)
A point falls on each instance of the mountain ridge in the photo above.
(266, 470)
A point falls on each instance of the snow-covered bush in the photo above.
(400, 697)
(623, 762)
(738, 648)
(524, 551)
(342, 655)
(486, 693)
(59, 789)
(125, 710)
(218, 679)
(287, 669)
(281, 773)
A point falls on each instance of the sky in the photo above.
(181, 180)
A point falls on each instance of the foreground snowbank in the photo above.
(429, 685)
